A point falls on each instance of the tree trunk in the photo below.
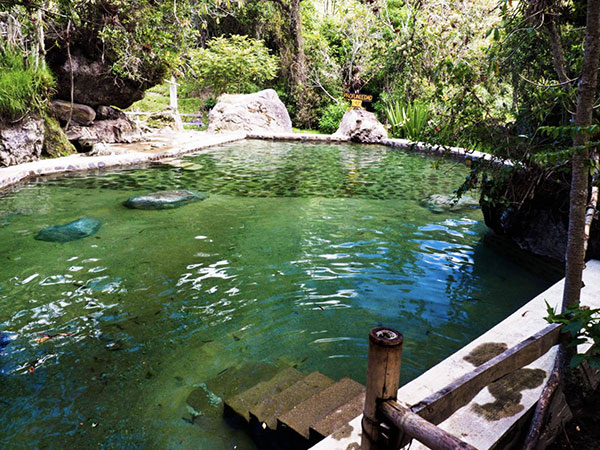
(586, 94)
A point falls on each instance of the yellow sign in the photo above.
(362, 97)
(357, 103)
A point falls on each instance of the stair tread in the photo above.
(208, 394)
(244, 402)
(339, 417)
(270, 408)
(312, 410)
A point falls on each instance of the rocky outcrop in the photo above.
(22, 141)
(254, 113)
(361, 126)
(73, 113)
(164, 200)
(536, 214)
(110, 131)
(78, 229)
(94, 83)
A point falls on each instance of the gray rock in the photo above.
(108, 113)
(78, 229)
(361, 126)
(254, 113)
(164, 199)
(21, 142)
(441, 203)
(106, 131)
(81, 114)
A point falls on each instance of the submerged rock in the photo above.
(441, 203)
(78, 229)
(164, 199)
(361, 126)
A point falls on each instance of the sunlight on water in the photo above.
(299, 250)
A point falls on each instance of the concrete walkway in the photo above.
(494, 413)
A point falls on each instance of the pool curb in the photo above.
(160, 146)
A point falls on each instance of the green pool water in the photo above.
(298, 251)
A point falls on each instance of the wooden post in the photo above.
(383, 378)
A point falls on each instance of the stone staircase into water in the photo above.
(287, 409)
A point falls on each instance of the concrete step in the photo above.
(338, 418)
(267, 411)
(207, 397)
(241, 404)
(299, 419)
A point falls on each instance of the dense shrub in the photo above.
(331, 117)
(235, 64)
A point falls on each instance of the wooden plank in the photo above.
(420, 429)
(442, 404)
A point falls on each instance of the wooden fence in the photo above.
(388, 425)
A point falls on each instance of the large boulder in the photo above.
(78, 229)
(164, 199)
(94, 82)
(361, 126)
(254, 113)
(73, 112)
(22, 141)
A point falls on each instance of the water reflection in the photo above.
(297, 253)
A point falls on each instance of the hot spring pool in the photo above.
(299, 250)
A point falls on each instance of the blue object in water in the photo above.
(78, 229)
(6, 338)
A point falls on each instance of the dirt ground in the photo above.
(583, 432)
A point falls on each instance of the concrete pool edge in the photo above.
(468, 423)
(157, 147)
(161, 146)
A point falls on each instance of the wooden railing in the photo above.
(388, 425)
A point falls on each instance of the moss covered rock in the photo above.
(55, 140)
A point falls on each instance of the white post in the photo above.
(173, 93)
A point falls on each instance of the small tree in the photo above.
(234, 64)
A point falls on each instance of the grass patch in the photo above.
(300, 130)
(23, 88)
(157, 99)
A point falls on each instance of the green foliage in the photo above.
(583, 324)
(331, 117)
(235, 64)
(141, 39)
(23, 87)
(407, 121)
